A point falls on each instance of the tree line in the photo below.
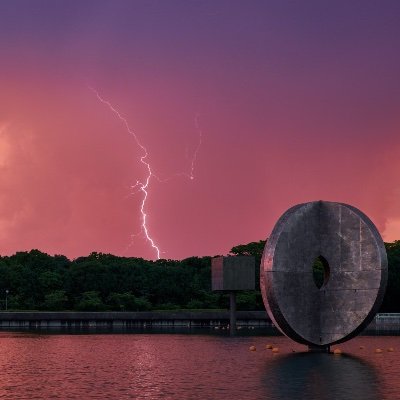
(99, 282)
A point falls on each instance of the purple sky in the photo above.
(292, 102)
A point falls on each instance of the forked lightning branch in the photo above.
(144, 185)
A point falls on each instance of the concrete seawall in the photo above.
(158, 319)
(385, 322)
(71, 320)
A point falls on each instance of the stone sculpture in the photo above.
(355, 272)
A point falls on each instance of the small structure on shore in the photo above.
(230, 274)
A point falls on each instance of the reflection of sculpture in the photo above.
(355, 280)
(303, 376)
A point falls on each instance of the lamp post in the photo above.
(6, 299)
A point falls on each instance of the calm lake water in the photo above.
(178, 366)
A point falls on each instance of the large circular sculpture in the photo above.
(355, 265)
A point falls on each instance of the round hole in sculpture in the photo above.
(320, 271)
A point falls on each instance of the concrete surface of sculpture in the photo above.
(355, 273)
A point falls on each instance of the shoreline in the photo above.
(128, 319)
(70, 320)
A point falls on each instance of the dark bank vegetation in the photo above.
(98, 282)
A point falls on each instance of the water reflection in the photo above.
(320, 376)
(191, 367)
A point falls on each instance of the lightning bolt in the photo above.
(200, 142)
(143, 186)
(190, 174)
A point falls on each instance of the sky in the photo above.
(265, 104)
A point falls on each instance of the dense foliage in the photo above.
(37, 281)
(98, 282)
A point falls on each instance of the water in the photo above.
(178, 366)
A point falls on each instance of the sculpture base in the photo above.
(319, 349)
